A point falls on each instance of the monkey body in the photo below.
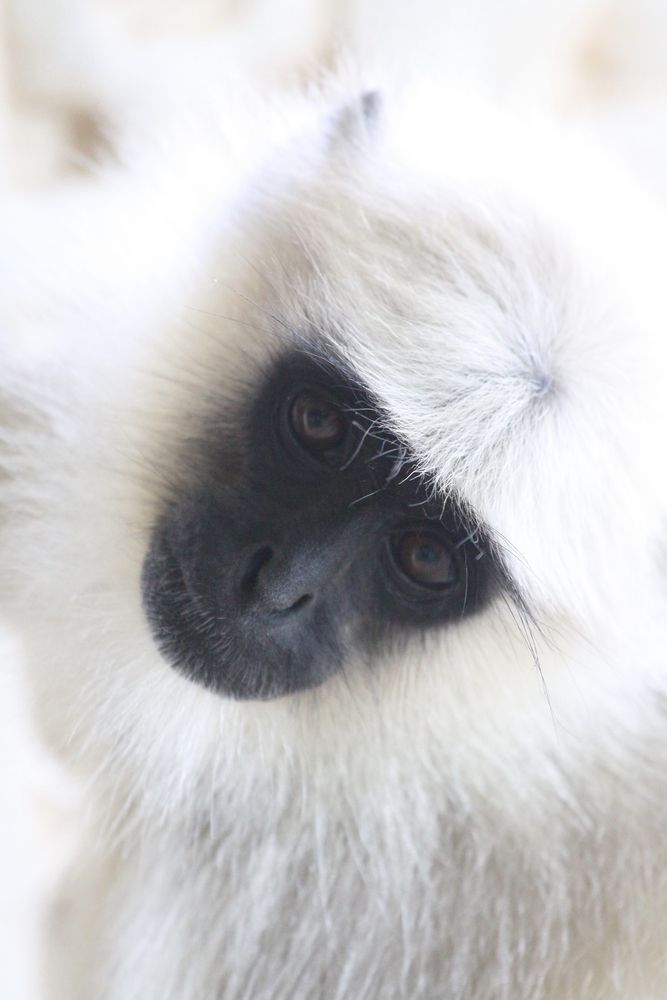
(335, 552)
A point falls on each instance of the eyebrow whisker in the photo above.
(360, 443)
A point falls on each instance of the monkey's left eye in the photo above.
(425, 558)
(317, 423)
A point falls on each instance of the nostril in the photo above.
(301, 603)
(270, 584)
(254, 566)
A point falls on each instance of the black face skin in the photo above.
(308, 538)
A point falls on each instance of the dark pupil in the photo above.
(318, 424)
(425, 558)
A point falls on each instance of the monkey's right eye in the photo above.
(317, 423)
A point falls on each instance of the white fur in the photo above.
(484, 817)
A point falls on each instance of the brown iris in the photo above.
(425, 558)
(317, 423)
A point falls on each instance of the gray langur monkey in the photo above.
(334, 510)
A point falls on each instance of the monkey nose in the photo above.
(271, 581)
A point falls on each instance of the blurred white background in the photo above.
(71, 67)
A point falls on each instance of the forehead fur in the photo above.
(508, 347)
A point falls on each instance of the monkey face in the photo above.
(322, 544)
(420, 447)
(396, 412)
